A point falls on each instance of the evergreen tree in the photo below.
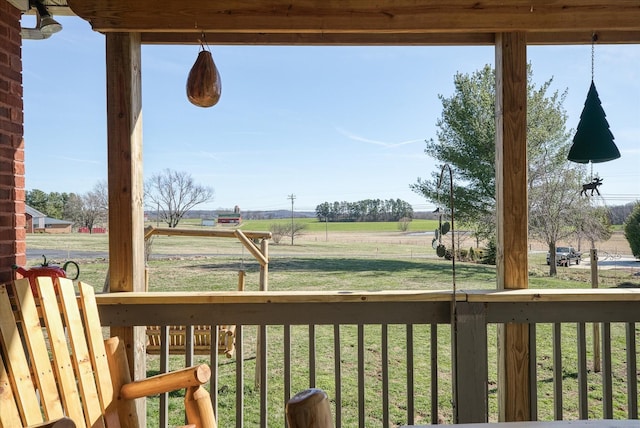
(632, 230)
(465, 140)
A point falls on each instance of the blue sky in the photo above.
(322, 123)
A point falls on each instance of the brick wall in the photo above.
(12, 217)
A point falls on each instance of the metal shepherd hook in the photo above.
(454, 318)
(453, 246)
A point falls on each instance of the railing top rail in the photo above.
(554, 295)
(209, 297)
(151, 230)
(478, 296)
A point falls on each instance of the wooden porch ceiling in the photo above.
(365, 22)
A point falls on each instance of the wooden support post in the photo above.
(264, 268)
(241, 279)
(126, 214)
(264, 286)
(512, 218)
(472, 373)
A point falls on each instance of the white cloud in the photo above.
(389, 145)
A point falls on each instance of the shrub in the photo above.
(490, 253)
(278, 231)
(448, 254)
(403, 224)
(632, 230)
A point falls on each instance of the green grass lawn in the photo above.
(353, 263)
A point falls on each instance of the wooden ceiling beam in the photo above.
(362, 21)
(318, 39)
(349, 39)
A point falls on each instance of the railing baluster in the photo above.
(434, 374)
(188, 352)
(213, 363)
(264, 382)
(337, 374)
(557, 372)
(239, 377)
(287, 361)
(164, 367)
(410, 382)
(533, 372)
(188, 358)
(632, 381)
(385, 375)
(361, 408)
(583, 403)
(607, 388)
(312, 356)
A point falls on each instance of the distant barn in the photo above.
(37, 222)
(234, 217)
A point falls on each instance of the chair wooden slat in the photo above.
(22, 383)
(57, 339)
(38, 353)
(98, 354)
(80, 354)
(8, 409)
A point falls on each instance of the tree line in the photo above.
(171, 194)
(84, 210)
(365, 210)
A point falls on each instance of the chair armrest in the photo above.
(166, 382)
(57, 423)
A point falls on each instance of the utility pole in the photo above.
(293, 198)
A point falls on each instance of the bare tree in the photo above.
(296, 229)
(90, 208)
(554, 207)
(594, 225)
(101, 194)
(173, 194)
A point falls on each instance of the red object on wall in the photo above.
(51, 271)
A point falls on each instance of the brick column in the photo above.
(12, 193)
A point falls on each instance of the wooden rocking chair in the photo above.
(87, 382)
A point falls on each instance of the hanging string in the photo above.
(203, 39)
(203, 42)
(594, 38)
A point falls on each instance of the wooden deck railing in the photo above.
(385, 358)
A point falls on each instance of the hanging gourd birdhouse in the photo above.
(203, 84)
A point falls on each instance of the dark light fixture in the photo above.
(46, 23)
(593, 141)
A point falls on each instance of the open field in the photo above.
(336, 259)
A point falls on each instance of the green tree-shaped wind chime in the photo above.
(593, 141)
